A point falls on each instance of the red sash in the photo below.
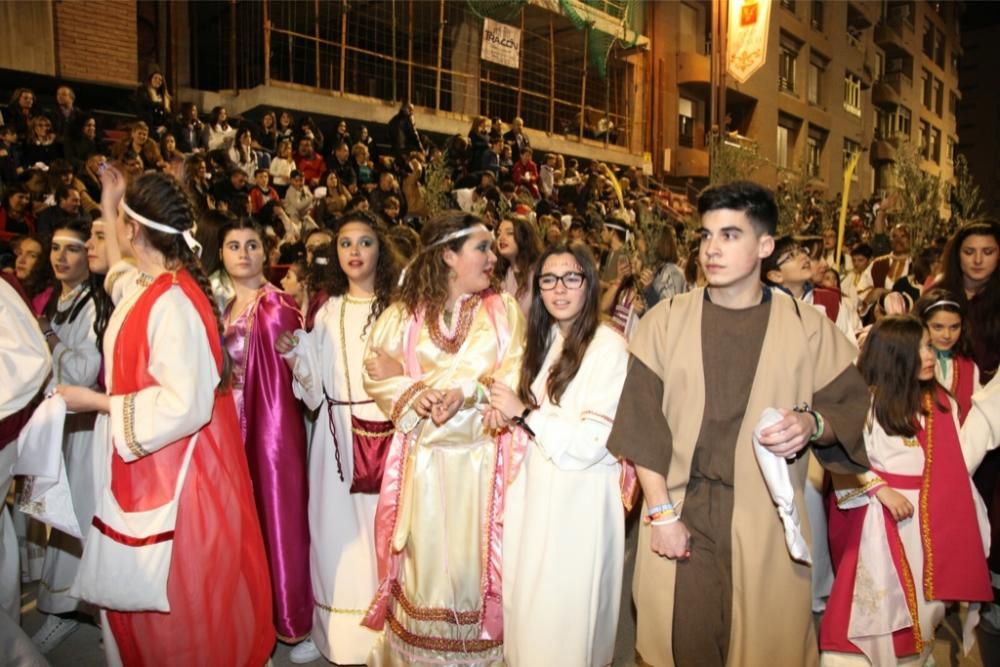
(963, 370)
(829, 299)
(954, 560)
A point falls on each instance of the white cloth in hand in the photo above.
(779, 483)
(46, 494)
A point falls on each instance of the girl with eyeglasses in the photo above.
(564, 528)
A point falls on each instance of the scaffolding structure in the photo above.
(428, 52)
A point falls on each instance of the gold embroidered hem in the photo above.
(868, 486)
(129, 421)
(404, 401)
(442, 643)
(434, 614)
(338, 610)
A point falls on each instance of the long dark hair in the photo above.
(937, 300)
(93, 290)
(160, 197)
(540, 329)
(41, 273)
(210, 224)
(889, 362)
(529, 247)
(326, 274)
(987, 327)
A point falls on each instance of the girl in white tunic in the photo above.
(73, 322)
(359, 272)
(564, 526)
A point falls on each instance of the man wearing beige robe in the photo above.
(718, 587)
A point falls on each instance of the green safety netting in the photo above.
(599, 42)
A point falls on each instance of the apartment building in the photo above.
(839, 77)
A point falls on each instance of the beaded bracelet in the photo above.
(666, 522)
(659, 508)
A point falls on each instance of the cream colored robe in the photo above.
(802, 353)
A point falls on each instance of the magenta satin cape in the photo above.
(510, 449)
(276, 452)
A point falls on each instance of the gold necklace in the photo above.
(451, 344)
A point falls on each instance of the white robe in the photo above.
(564, 524)
(25, 363)
(75, 361)
(341, 524)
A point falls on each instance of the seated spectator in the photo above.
(153, 103)
(340, 162)
(62, 172)
(286, 127)
(336, 197)
(308, 129)
(16, 218)
(506, 163)
(310, 163)
(490, 160)
(11, 165)
(387, 187)
(234, 186)
(81, 139)
(66, 209)
(32, 267)
(298, 201)
(20, 111)
(173, 159)
(90, 178)
(363, 167)
(547, 176)
(341, 135)
(197, 183)
(262, 192)
(267, 139)
(218, 133)
(526, 173)
(242, 154)
(517, 139)
(188, 129)
(390, 211)
(366, 139)
(66, 117)
(282, 166)
(42, 144)
(138, 145)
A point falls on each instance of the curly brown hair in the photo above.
(326, 274)
(426, 282)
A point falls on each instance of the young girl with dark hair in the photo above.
(454, 336)
(33, 269)
(359, 272)
(73, 321)
(167, 381)
(518, 248)
(564, 528)
(913, 528)
(944, 318)
(270, 419)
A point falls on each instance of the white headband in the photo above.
(938, 304)
(447, 238)
(628, 233)
(166, 229)
(69, 240)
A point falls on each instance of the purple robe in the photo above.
(274, 433)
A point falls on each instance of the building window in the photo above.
(852, 94)
(925, 140)
(927, 84)
(814, 151)
(789, 5)
(688, 32)
(938, 97)
(788, 130)
(927, 42)
(951, 150)
(904, 123)
(939, 48)
(935, 146)
(879, 65)
(814, 79)
(816, 15)
(851, 148)
(953, 103)
(685, 126)
(786, 67)
(883, 124)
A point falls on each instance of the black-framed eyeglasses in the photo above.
(571, 280)
(790, 254)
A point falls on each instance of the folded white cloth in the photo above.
(46, 494)
(779, 483)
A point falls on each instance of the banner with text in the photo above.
(501, 44)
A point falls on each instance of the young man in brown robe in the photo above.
(718, 587)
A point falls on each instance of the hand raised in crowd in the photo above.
(113, 186)
(899, 507)
(381, 366)
(787, 437)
